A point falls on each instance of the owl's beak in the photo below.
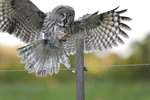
(65, 22)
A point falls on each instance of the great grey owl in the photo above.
(51, 36)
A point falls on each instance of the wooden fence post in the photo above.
(80, 92)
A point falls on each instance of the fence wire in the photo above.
(128, 65)
(73, 69)
(70, 69)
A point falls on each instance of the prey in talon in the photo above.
(62, 36)
(66, 37)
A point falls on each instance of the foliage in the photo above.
(113, 83)
(140, 54)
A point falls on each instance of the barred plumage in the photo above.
(103, 31)
(52, 36)
(22, 19)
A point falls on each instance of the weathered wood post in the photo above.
(80, 92)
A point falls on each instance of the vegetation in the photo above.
(116, 83)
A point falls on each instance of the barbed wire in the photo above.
(73, 69)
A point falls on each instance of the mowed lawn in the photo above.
(105, 90)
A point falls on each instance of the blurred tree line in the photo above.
(140, 54)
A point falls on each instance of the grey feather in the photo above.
(122, 11)
(123, 18)
(122, 25)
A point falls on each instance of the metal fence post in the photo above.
(80, 92)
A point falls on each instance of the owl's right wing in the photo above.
(99, 31)
(22, 19)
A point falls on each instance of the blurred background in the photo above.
(101, 83)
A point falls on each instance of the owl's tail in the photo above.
(43, 58)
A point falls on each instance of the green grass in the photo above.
(35, 91)
(118, 91)
(106, 90)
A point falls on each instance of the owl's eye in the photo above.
(62, 15)
(69, 15)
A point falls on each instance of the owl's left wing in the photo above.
(99, 31)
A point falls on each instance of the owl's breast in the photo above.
(53, 31)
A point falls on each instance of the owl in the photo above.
(51, 37)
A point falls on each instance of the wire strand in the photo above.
(12, 70)
(131, 65)
(73, 69)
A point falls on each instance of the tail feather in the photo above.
(27, 50)
(29, 56)
(65, 60)
(30, 68)
(43, 58)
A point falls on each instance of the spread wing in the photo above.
(100, 31)
(22, 19)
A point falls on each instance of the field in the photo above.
(106, 90)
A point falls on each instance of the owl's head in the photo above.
(64, 15)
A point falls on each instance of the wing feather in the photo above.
(122, 11)
(122, 25)
(123, 18)
(22, 19)
(99, 31)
